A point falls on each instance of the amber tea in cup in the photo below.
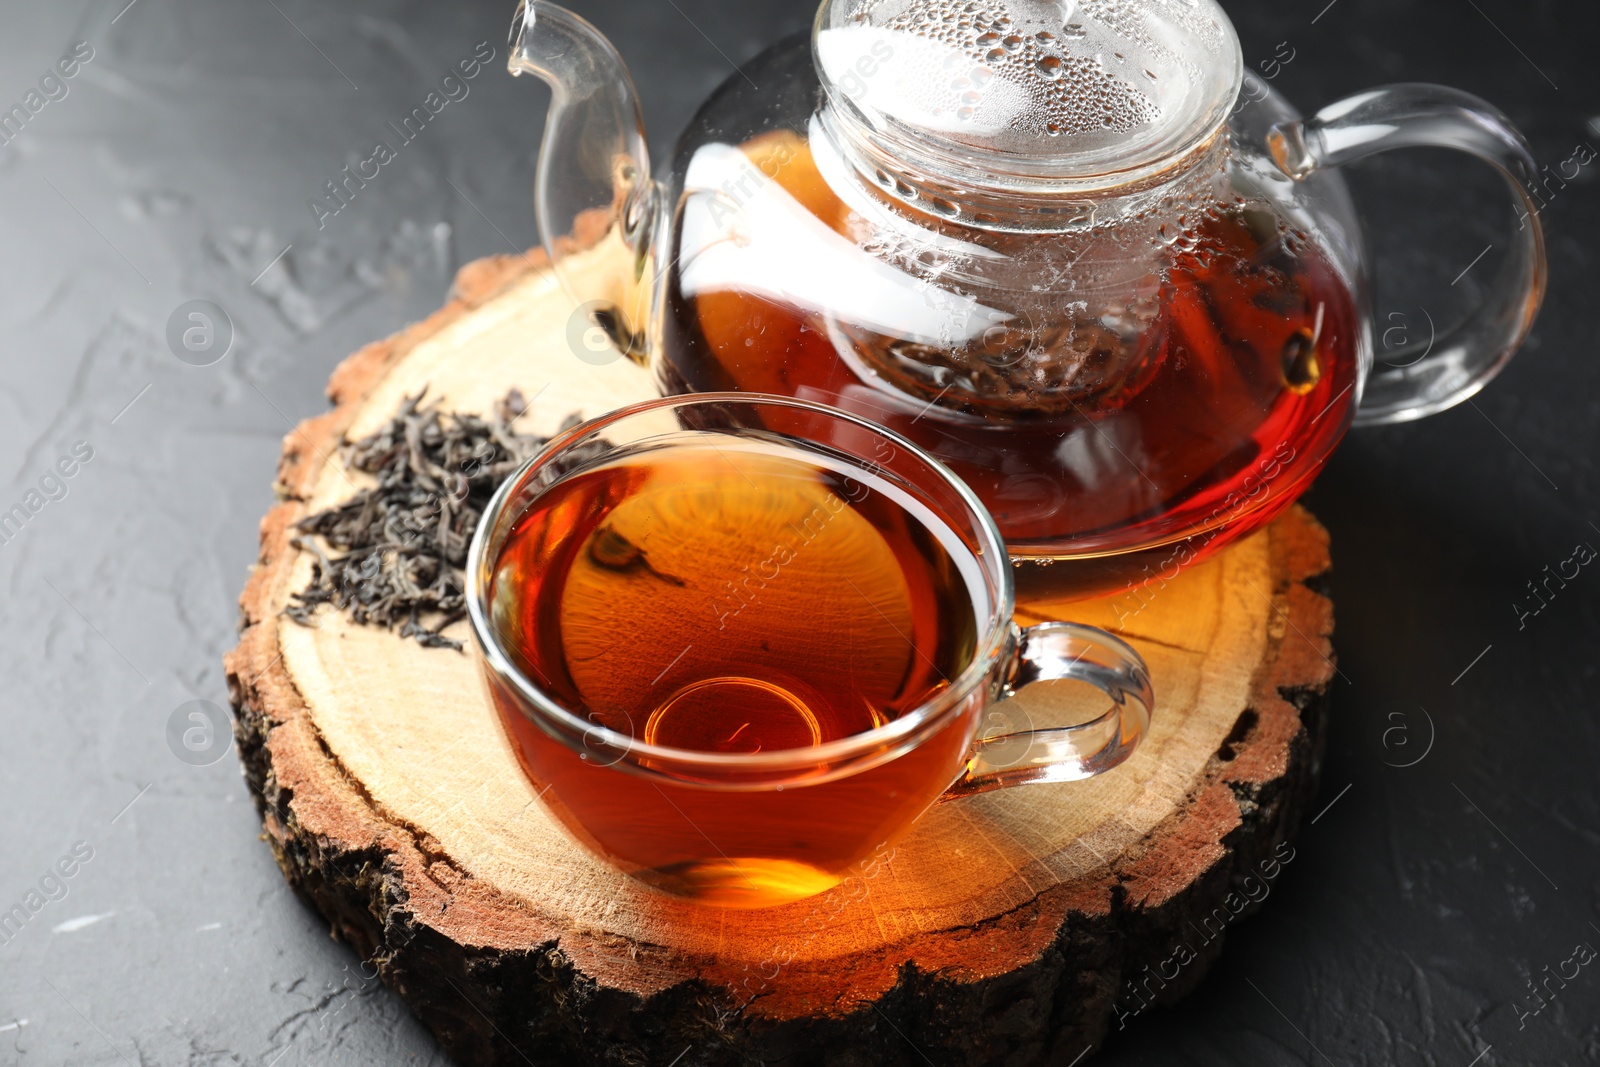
(739, 643)
(765, 610)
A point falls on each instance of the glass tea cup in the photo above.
(739, 643)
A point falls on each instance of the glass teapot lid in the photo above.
(1029, 94)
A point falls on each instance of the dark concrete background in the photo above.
(1421, 901)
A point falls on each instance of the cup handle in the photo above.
(1057, 651)
(1429, 376)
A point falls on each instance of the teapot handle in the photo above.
(1422, 379)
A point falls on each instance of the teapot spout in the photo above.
(593, 184)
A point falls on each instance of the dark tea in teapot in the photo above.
(1237, 382)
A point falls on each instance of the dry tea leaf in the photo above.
(404, 542)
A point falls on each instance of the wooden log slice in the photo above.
(1017, 927)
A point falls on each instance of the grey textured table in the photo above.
(179, 164)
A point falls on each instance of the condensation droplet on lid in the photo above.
(1073, 29)
(944, 207)
(1050, 66)
(995, 53)
(1011, 43)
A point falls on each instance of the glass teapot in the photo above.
(1070, 247)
